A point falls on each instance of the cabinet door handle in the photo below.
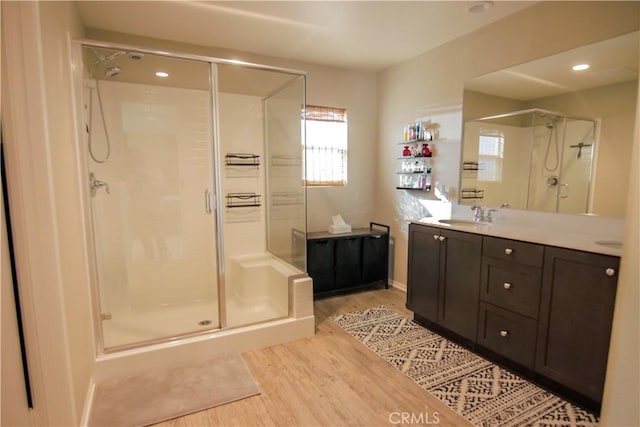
(508, 251)
(441, 238)
(507, 285)
(378, 236)
(435, 237)
(610, 272)
(504, 333)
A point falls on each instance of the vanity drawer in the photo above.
(508, 334)
(513, 250)
(511, 285)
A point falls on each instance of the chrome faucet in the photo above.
(482, 214)
(478, 213)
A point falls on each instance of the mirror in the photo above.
(540, 136)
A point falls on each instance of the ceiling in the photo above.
(611, 61)
(349, 34)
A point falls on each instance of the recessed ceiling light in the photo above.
(162, 74)
(580, 67)
(480, 6)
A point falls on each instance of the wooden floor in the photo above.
(330, 379)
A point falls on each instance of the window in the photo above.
(326, 146)
(490, 155)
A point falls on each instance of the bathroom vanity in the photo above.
(541, 310)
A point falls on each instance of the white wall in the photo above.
(622, 386)
(44, 189)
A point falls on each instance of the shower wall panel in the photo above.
(155, 242)
(241, 131)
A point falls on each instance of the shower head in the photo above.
(112, 71)
(551, 124)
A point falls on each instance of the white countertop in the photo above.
(580, 232)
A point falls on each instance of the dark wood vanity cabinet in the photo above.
(578, 297)
(544, 311)
(510, 294)
(343, 262)
(444, 268)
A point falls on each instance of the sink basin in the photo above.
(462, 222)
(613, 244)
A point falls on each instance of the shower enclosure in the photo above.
(531, 159)
(195, 220)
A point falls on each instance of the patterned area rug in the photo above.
(483, 393)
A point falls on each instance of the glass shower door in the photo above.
(150, 159)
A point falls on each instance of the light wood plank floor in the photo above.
(330, 379)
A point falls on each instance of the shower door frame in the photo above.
(77, 79)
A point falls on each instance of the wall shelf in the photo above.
(243, 200)
(471, 193)
(242, 159)
(471, 166)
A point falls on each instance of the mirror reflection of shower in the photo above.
(546, 163)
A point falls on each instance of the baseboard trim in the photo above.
(88, 403)
(398, 285)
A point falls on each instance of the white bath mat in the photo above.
(164, 394)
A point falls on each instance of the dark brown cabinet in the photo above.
(543, 311)
(578, 296)
(443, 282)
(510, 295)
(343, 262)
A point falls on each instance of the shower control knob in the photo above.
(508, 251)
(610, 272)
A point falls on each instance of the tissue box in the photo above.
(339, 228)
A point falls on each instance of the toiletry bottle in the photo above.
(426, 151)
(406, 151)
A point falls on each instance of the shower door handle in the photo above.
(208, 204)
(566, 194)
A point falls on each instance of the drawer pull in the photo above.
(507, 285)
(435, 237)
(508, 251)
(610, 272)
(504, 333)
(441, 238)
